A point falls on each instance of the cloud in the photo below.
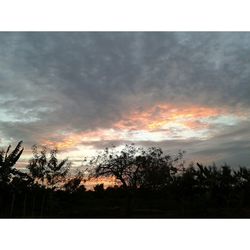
(231, 146)
(55, 84)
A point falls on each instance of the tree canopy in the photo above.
(8, 160)
(136, 166)
(45, 168)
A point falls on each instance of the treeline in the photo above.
(149, 184)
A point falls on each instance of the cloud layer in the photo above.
(60, 87)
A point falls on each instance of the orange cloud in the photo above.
(164, 114)
(181, 122)
(70, 140)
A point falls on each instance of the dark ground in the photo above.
(120, 203)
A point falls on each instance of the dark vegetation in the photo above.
(150, 184)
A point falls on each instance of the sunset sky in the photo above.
(83, 91)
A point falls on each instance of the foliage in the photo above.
(152, 184)
(99, 188)
(46, 169)
(75, 183)
(8, 161)
(137, 167)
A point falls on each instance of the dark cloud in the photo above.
(81, 81)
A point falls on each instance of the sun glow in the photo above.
(157, 123)
(165, 114)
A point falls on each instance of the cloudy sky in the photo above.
(84, 91)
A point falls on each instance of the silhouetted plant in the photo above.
(47, 170)
(8, 161)
(149, 183)
(75, 183)
(157, 169)
(242, 176)
(99, 188)
(137, 167)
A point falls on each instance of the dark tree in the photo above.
(157, 169)
(99, 188)
(74, 183)
(8, 161)
(136, 167)
(48, 170)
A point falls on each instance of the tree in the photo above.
(99, 188)
(48, 170)
(157, 169)
(136, 167)
(17, 181)
(8, 161)
(74, 184)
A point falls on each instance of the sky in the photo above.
(84, 91)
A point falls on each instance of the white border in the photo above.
(125, 234)
(124, 15)
(127, 15)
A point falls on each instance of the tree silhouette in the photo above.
(48, 170)
(8, 161)
(99, 188)
(157, 169)
(149, 183)
(75, 183)
(137, 167)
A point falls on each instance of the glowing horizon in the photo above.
(161, 122)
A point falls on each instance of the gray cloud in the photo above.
(82, 81)
(232, 146)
